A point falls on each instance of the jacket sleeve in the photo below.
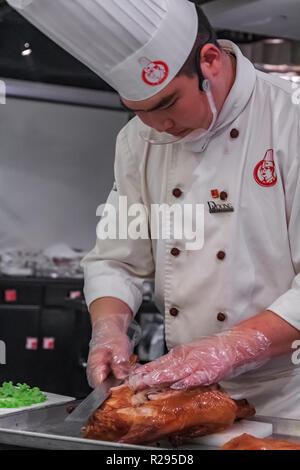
(117, 266)
(287, 305)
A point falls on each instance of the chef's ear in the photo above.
(210, 61)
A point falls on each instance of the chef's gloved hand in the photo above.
(205, 361)
(110, 348)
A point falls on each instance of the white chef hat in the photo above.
(137, 46)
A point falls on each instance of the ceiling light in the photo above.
(26, 52)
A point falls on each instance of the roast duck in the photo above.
(247, 442)
(145, 417)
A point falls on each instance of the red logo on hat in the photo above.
(154, 73)
(265, 171)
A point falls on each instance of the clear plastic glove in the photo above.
(206, 361)
(110, 348)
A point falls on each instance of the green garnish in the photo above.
(12, 396)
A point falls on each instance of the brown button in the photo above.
(175, 252)
(223, 195)
(221, 255)
(177, 192)
(221, 316)
(234, 133)
(174, 312)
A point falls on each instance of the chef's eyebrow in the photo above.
(163, 102)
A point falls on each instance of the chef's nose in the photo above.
(165, 125)
(159, 124)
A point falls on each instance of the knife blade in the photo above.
(93, 401)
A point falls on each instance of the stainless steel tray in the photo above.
(46, 429)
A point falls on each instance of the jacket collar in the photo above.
(236, 100)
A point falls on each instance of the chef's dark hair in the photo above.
(206, 34)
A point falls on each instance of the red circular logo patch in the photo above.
(155, 73)
(265, 171)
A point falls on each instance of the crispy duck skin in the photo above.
(248, 442)
(148, 416)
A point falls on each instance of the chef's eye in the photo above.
(170, 105)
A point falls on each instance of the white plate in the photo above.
(52, 399)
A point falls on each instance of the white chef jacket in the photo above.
(261, 238)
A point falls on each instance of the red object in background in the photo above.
(10, 295)
(215, 193)
(31, 343)
(48, 343)
(75, 294)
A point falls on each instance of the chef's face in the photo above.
(178, 109)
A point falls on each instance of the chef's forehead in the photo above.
(172, 91)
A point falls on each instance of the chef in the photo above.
(210, 130)
(231, 308)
